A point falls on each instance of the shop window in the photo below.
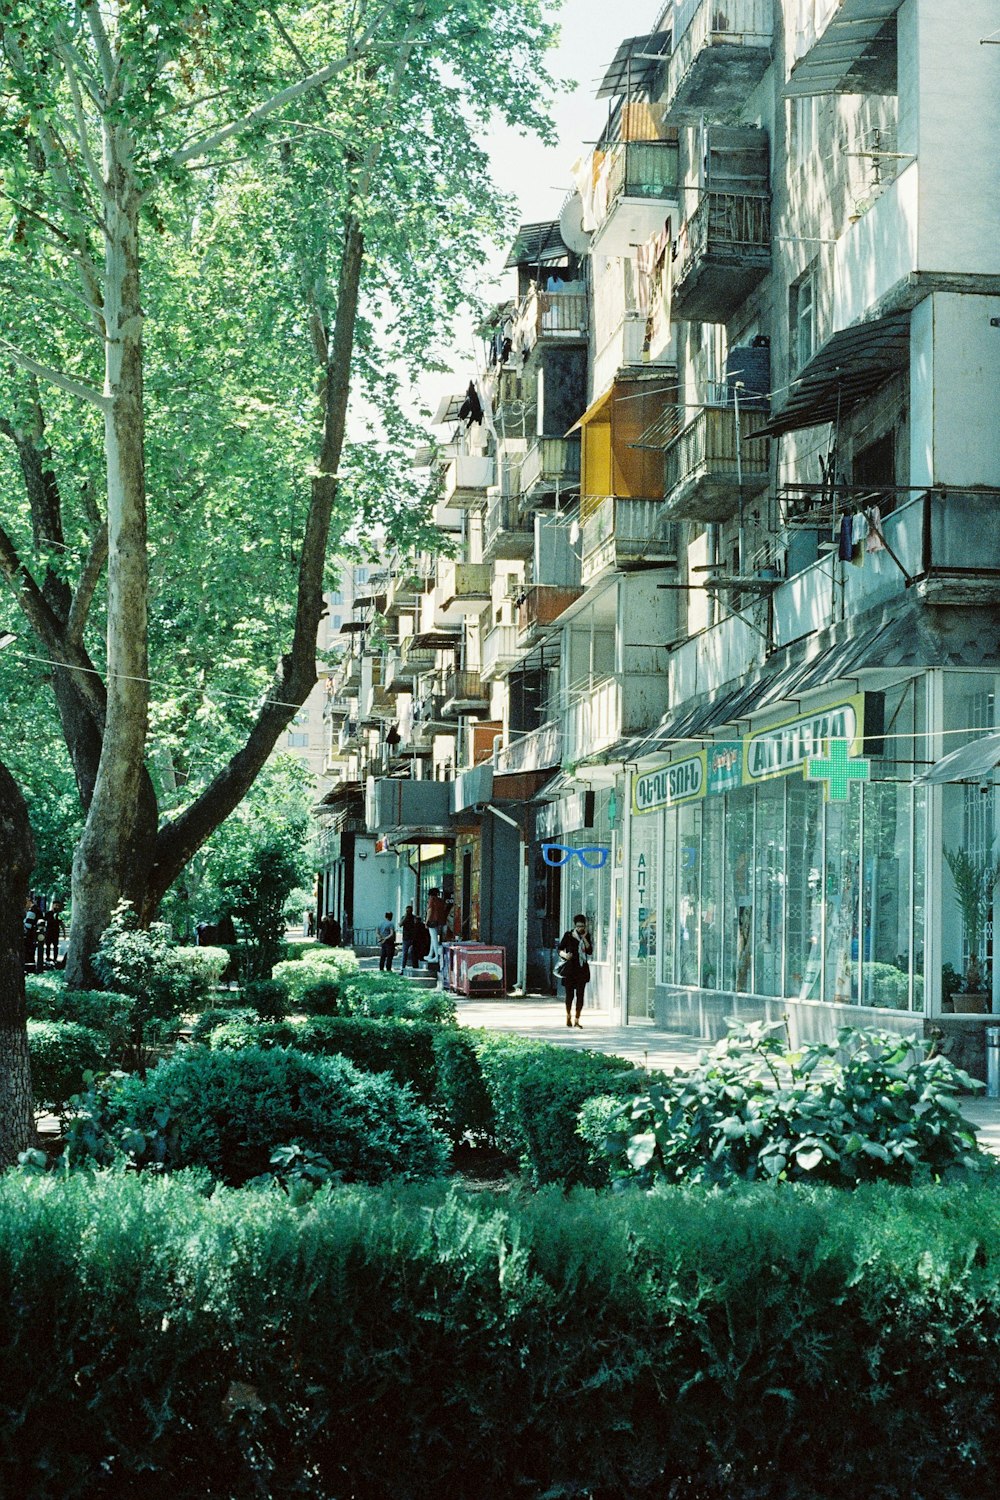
(804, 891)
(769, 895)
(688, 893)
(842, 875)
(713, 824)
(738, 951)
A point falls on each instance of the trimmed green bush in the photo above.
(791, 1345)
(61, 1052)
(219, 1016)
(197, 973)
(101, 1011)
(268, 997)
(463, 1101)
(536, 1091)
(385, 995)
(228, 1110)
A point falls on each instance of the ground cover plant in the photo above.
(873, 1105)
(788, 1344)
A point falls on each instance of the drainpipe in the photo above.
(522, 897)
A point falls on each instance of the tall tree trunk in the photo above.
(103, 865)
(17, 856)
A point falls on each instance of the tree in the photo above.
(128, 128)
(17, 1125)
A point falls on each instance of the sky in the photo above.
(541, 176)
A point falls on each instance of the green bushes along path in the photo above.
(795, 1342)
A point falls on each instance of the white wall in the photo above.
(954, 375)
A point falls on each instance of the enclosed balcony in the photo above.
(403, 808)
(719, 57)
(406, 581)
(500, 651)
(720, 255)
(463, 692)
(466, 479)
(712, 462)
(378, 704)
(619, 533)
(538, 608)
(405, 664)
(506, 532)
(551, 467)
(635, 190)
(844, 47)
(462, 589)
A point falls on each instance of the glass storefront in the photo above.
(642, 875)
(587, 888)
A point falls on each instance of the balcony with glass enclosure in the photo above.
(635, 190)
(721, 51)
(711, 462)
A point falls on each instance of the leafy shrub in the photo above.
(217, 1016)
(873, 1106)
(463, 1102)
(268, 997)
(245, 1028)
(101, 1011)
(160, 979)
(888, 986)
(61, 1052)
(197, 972)
(746, 1346)
(293, 951)
(343, 961)
(312, 987)
(386, 995)
(227, 1111)
(536, 1091)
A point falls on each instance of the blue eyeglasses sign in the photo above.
(592, 856)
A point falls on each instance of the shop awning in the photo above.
(634, 64)
(975, 762)
(850, 367)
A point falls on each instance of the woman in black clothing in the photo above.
(575, 947)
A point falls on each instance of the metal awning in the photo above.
(634, 64)
(538, 244)
(850, 367)
(446, 413)
(856, 52)
(975, 762)
(434, 640)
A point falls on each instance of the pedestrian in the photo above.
(435, 917)
(32, 932)
(575, 948)
(408, 928)
(310, 923)
(55, 928)
(329, 930)
(387, 944)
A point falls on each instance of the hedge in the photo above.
(762, 1345)
(99, 1010)
(229, 1111)
(61, 1052)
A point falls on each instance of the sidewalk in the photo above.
(545, 1020)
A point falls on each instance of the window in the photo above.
(804, 127)
(802, 320)
(298, 739)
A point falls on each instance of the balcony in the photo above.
(720, 255)
(626, 350)
(462, 589)
(406, 581)
(379, 705)
(718, 59)
(551, 466)
(707, 466)
(404, 665)
(400, 807)
(538, 608)
(506, 533)
(448, 517)
(500, 652)
(344, 743)
(551, 318)
(636, 189)
(619, 533)
(463, 693)
(466, 479)
(538, 750)
(844, 47)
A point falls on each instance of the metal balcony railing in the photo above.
(551, 465)
(709, 462)
(731, 225)
(504, 527)
(540, 605)
(499, 650)
(550, 317)
(463, 688)
(641, 169)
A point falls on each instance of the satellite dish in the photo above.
(574, 533)
(575, 237)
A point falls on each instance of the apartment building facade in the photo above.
(720, 508)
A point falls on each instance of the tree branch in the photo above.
(56, 377)
(83, 595)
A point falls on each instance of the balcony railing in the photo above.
(506, 533)
(466, 478)
(635, 182)
(623, 533)
(551, 317)
(463, 692)
(499, 651)
(551, 466)
(719, 56)
(709, 464)
(535, 751)
(721, 253)
(539, 606)
(462, 588)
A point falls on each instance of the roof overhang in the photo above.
(850, 367)
(975, 762)
(537, 245)
(634, 64)
(856, 52)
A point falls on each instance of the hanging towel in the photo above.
(846, 539)
(859, 531)
(875, 542)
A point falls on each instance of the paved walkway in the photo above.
(545, 1020)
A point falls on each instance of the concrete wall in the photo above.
(954, 371)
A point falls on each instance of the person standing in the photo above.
(435, 919)
(408, 928)
(55, 928)
(575, 948)
(387, 944)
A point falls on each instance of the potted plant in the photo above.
(975, 881)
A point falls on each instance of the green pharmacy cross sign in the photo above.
(838, 770)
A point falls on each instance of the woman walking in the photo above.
(575, 947)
